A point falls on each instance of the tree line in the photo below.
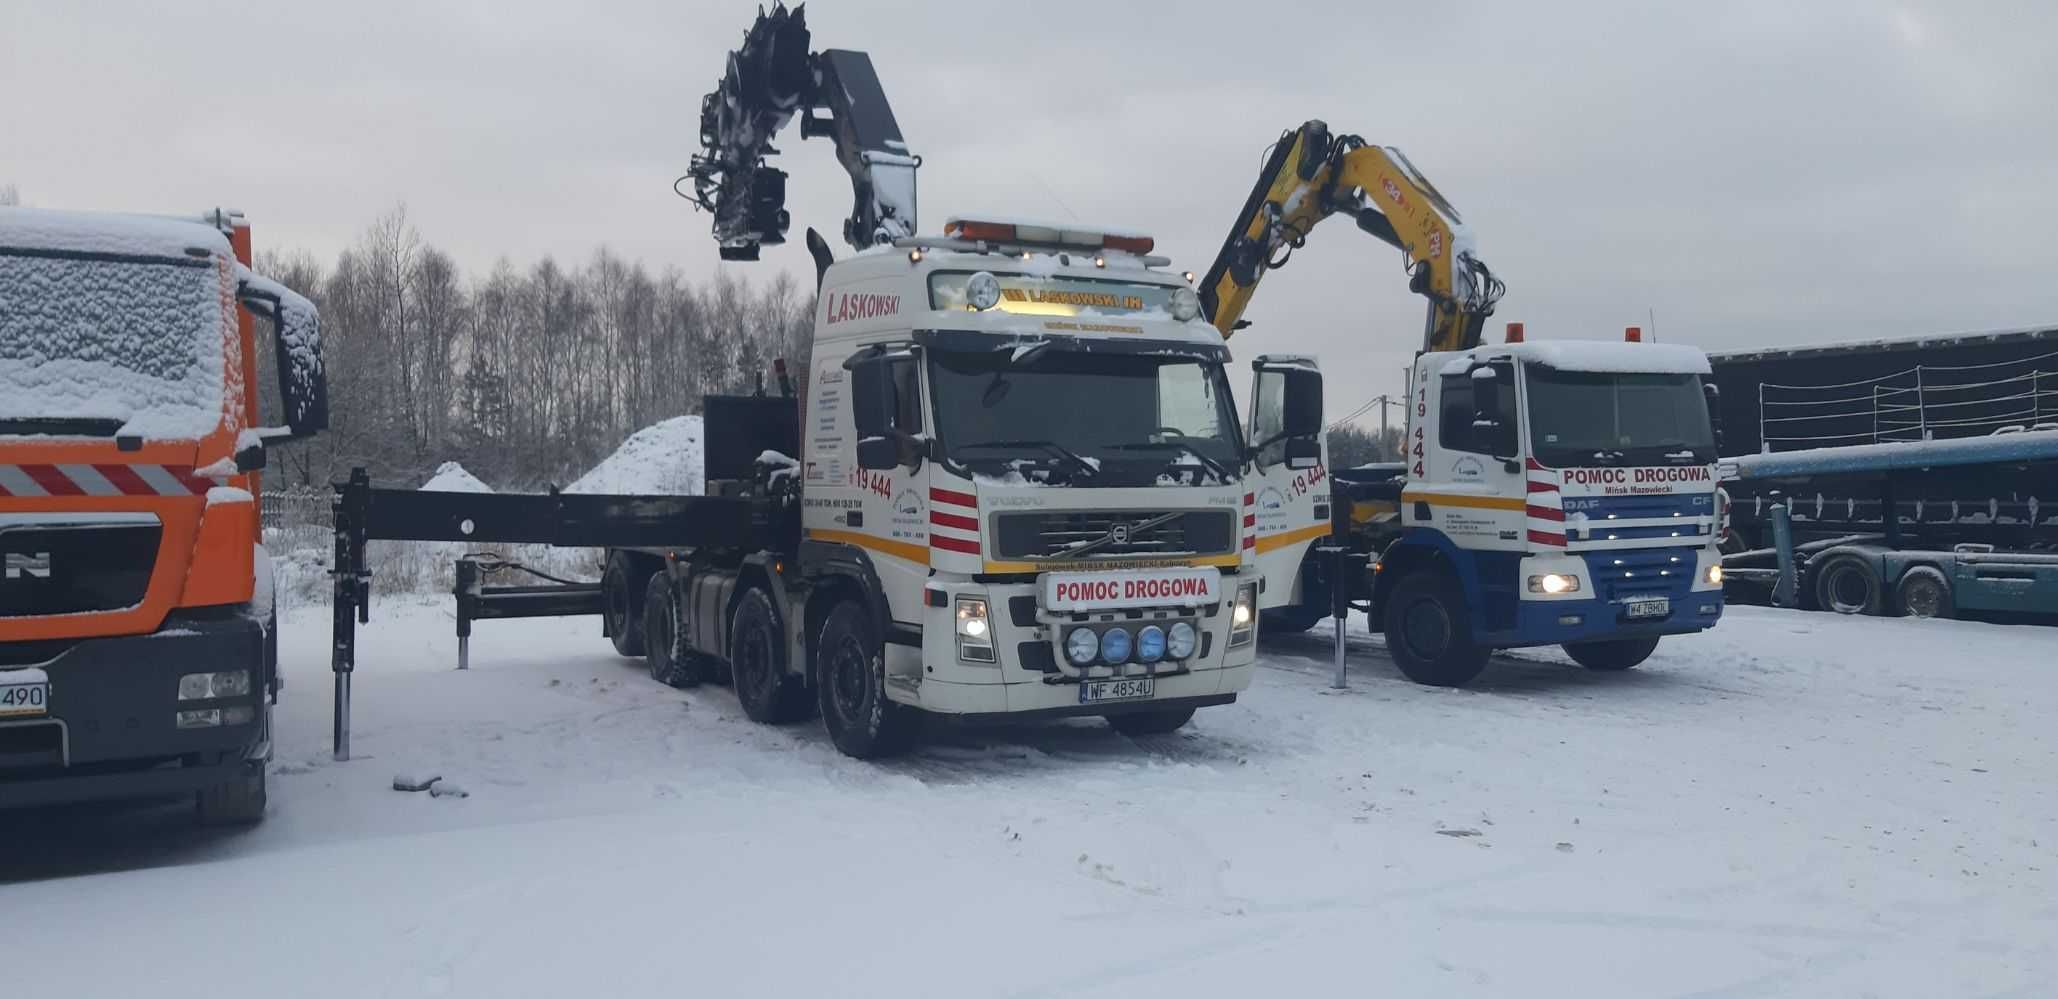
(528, 376)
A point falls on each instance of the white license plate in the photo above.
(1096, 691)
(20, 699)
(1657, 607)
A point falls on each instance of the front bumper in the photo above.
(110, 730)
(1556, 622)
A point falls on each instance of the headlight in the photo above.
(207, 686)
(982, 290)
(1715, 575)
(972, 621)
(1243, 618)
(1150, 644)
(1185, 304)
(1181, 640)
(1081, 646)
(1554, 583)
(1114, 645)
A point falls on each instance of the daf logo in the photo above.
(28, 565)
(1119, 534)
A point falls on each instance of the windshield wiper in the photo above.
(83, 426)
(1220, 471)
(1071, 457)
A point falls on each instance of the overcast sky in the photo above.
(1753, 173)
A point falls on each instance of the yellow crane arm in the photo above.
(1310, 176)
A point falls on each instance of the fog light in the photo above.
(207, 686)
(1181, 640)
(1114, 645)
(1150, 644)
(1710, 608)
(982, 290)
(1081, 646)
(205, 718)
(1571, 620)
(1554, 583)
(1715, 575)
(241, 714)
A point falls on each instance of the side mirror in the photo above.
(250, 459)
(878, 454)
(1303, 452)
(297, 344)
(1490, 424)
(1302, 404)
(871, 396)
(1714, 397)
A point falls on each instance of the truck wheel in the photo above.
(1289, 620)
(624, 628)
(1151, 722)
(1848, 584)
(1426, 631)
(757, 663)
(1924, 592)
(239, 802)
(659, 639)
(850, 681)
(1619, 654)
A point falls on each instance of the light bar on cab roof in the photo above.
(1041, 235)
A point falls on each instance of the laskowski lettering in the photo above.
(847, 307)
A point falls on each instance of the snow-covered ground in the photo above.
(1793, 805)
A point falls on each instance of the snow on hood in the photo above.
(102, 232)
(663, 459)
(452, 477)
(1613, 357)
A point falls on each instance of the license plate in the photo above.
(1096, 691)
(22, 699)
(1655, 607)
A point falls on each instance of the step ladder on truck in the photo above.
(1553, 493)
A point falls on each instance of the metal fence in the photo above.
(298, 520)
(1925, 402)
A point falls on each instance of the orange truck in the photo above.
(138, 639)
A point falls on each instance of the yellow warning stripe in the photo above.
(898, 549)
(1472, 502)
(1267, 542)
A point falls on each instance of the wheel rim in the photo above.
(849, 679)
(753, 659)
(1847, 589)
(659, 637)
(1922, 598)
(1426, 629)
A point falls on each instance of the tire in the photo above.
(239, 802)
(625, 627)
(1290, 620)
(659, 638)
(1848, 584)
(850, 683)
(1925, 592)
(757, 662)
(1734, 542)
(1159, 722)
(1426, 632)
(1609, 656)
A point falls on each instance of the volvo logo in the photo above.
(1119, 534)
(28, 565)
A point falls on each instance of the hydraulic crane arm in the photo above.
(771, 78)
(1310, 176)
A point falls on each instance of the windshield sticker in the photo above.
(1031, 295)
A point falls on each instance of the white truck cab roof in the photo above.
(1598, 356)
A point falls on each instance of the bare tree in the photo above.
(9, 195)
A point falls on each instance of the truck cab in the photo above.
(1556, 493)
(137, 635)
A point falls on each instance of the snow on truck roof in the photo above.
(108, 232)
(1861, 459)
(1598, 356)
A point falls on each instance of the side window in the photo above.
(1454, 423)
(1268, 416)
(907, 396)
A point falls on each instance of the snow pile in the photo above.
(1599, 356)
(2035, 445)
(663, 459)
(452, 477)
(138, 343)
(101, 232)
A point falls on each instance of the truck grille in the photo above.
(1052, 535)
(75, 564)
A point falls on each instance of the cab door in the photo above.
(1288, 493)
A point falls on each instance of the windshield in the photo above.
(1580, 418)
(95, 347)
(1099, 419)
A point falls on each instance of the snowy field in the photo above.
(1794, 805)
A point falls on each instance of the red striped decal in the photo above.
(942, 519)
(53, 481)
(1250, 520)
(1542, 538)
(1542, 487)
(1250, 541)
(124, 479)
(1546, 513)
(966, 500)
(1249, 498)
(1535, 466)
(197, 486)
(954, 544)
